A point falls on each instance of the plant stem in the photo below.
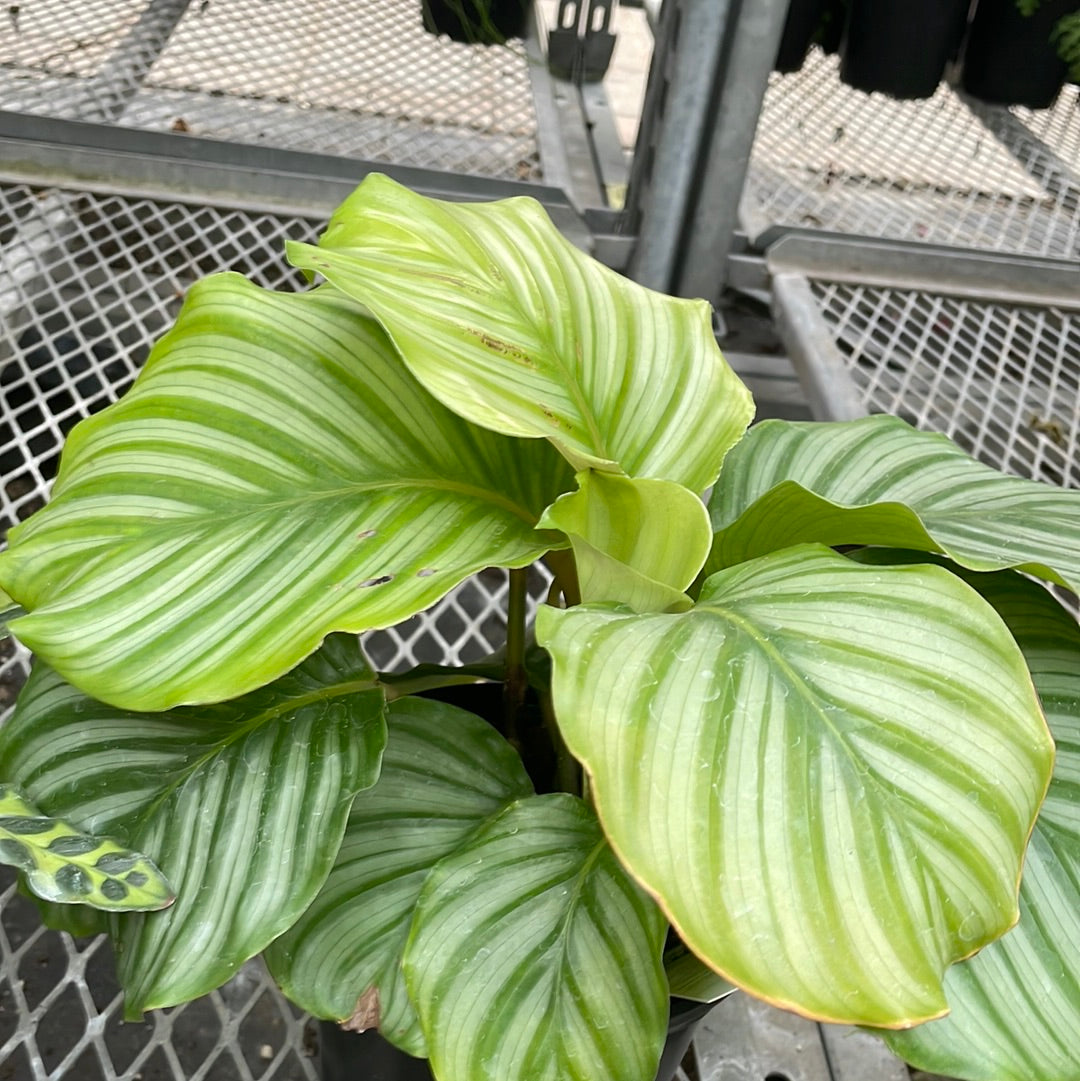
(401, 688)
(516, 682)
(564, 569)
(568, 774)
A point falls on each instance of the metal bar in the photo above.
(212, 172)
(1052, 172)
(550, 139)
(107, 95)
(955, 272)
(830, 392)
(678, 99)
(753, 36)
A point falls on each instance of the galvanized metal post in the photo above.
(708, 81)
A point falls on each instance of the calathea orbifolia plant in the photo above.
(804, 725)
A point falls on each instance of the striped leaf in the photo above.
(512, 327)
(274, 474)
(1015, 1006)
(534, 956)
(242, 805)
(637, 542)
(879, 481)
(827, 773)
(444, 772)
(67, 866)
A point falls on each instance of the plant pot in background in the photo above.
(901, 47)
(352, 1056)
(477, 22)
(803, 19)
(1009, 58)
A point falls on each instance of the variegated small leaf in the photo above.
(67, 866)
(689, 977)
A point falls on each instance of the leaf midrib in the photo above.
(791, 674)
(472, 491)
(245, 728)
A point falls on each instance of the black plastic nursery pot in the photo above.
(366, 1056)
(901, 47)
(1009, 58)
(803, 19)
(477, 22)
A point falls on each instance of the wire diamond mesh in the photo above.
(359, 78)
(87, 282)
(829, 157)
(1001, 380)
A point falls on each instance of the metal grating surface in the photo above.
(1001, 380)
(359, 78)
(87, 282)
(829, 157)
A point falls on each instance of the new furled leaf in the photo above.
(512, 327)
(636, 542)
(67, 866)
(274, 474)
(880, 481)
(242, 804)
(809, 769)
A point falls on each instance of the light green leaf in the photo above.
(274, 474)
(1015, 1006)
(243, 805)
(512, 327)
(67, 866)
(444, 773)
(535, 957)
(637, 542)
(826, 773)
(689, 977)
(879, 481)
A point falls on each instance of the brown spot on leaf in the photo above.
(365, 1014)
(365, 533)
(512, 352)
(367, 582)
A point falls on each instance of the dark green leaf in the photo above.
(243, 805)
(879, 481)
(535, 957)
(444, 772)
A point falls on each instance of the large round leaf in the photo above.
(444, 772)
(242, 805)
(826, 773)
(508, 324)
(535, 957)
(274, 474)
(1015, 1006)
(880, 481)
